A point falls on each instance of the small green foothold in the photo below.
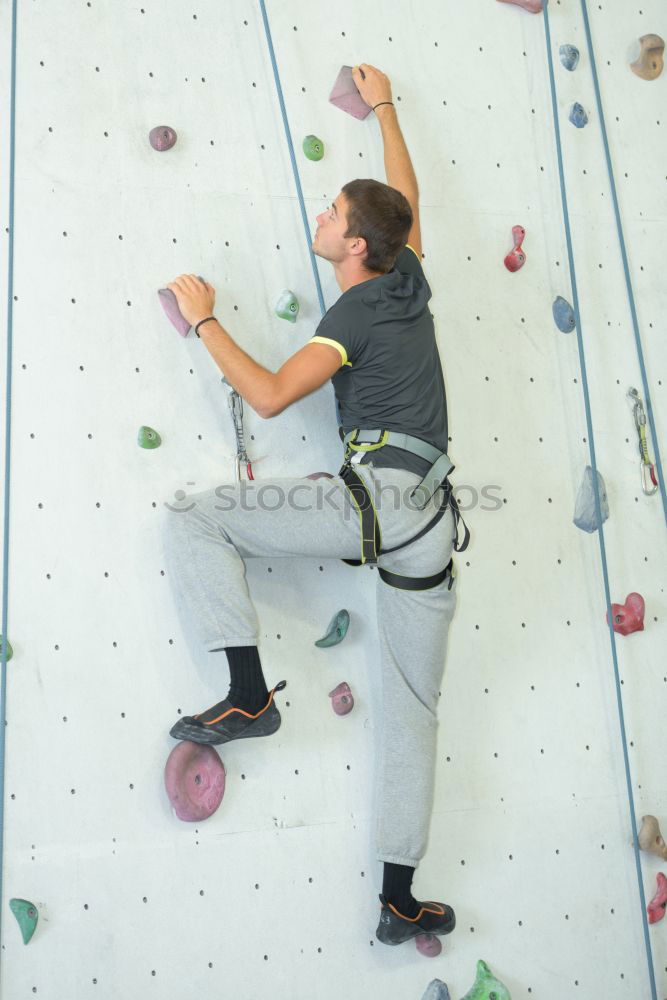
(313, 147)
(288, 306)
(148, 438)
(10, 651)
(337, 630)
(26, 914)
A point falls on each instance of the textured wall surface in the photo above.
(276, 895)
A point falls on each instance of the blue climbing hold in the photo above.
(569, 56)
(578, 116)
(337, 629)
(563, 315)
(436, 990)
(585, 515)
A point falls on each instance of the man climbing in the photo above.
(391, 503)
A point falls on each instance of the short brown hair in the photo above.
(382, 216)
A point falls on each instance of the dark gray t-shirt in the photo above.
(391, 376)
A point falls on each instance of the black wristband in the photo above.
(383, 102)
(200, 323)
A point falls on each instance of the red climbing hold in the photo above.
(533, 6)
(516, 258)
(628, 617)
(194, 777)
(656, 908)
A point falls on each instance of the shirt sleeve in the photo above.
(333, 329)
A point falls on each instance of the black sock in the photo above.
(248, 688)
(396, 889)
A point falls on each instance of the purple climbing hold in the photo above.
(345, 95)
(194, 777)
(173, 313)
(162, 137)
(342, 701)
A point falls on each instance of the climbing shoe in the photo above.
(224, 722)
(433, 918)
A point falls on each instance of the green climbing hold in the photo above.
(337, 630)
(486, 986)
(10, 651)
(313, 147)
(148, 438)
(26, 914)
(288, 306)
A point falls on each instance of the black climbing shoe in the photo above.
(229, 723)
(433, 918)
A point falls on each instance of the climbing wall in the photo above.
(531, 839)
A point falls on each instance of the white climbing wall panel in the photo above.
(277, 893)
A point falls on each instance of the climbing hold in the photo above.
(173, 313)
(648, 61)
(532, 6)
(313, 147)
(194, 777)
(569, 56)
(486, 986)
(337, 629)
(26, 914)
(162, 137)
(436, 990)
(563, 315)
(428, 944)
(288, 306)
(342, 701)
(345, 95)
(516, 258)
(10, 651)
(320, 475)
(656, 908)
(650, 839)
(578, 116)
(628, 617)
(585, 515)
(148, 438)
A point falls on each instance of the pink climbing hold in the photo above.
(194, 777)
(342, 701)
(656, 908)
(428, 944)
(162, 137)
(345, 95)
(628, 617)
(532, 6)
(516, 258)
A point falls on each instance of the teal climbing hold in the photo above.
(569, 56)
(26, 914)
(10, 651)
(288, 306)
(313, 147)
(563, 315)
(148, 438)
(486, 986)
(337, 629)
(578, 116)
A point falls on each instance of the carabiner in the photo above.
(646, 467)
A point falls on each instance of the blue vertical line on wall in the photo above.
(295, 169)
(8, 430)
(628, 282)
(603, 555)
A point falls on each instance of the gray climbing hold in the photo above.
(563, 315)
(569, 56)
(313, 147)
(10, 651)
(585, 516)
(26, 915)
(436, 990)
(578, 116)
(148, 438)
(337, 629)
(288, 306)
(162, 137)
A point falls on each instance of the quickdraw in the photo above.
(646, 467)
(236, 410)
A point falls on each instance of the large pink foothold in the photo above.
(194, 777)
(516, 258)
(628, 617)
(428, 944)
(346, 96)
(162, 137)
(656, 908)
(532, 6)
(342, 701)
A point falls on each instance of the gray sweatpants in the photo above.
(210, 534)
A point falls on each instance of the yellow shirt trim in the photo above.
(414, 252)
(332, 343)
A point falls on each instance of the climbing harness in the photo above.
(646, 467)
(236, 410)
(371, 537)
